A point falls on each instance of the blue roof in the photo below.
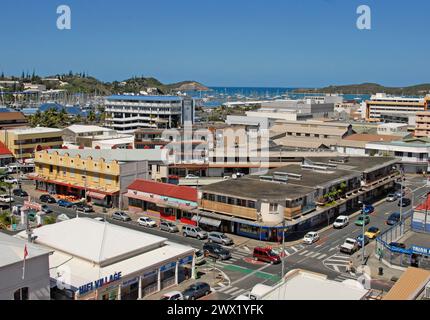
(144, 98)
(72, 110)
(5, 109)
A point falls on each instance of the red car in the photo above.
(266, 255)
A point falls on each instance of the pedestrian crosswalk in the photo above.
(231, 291)
(345, 276)
(312, 254)
(337, 262)
(236, 255)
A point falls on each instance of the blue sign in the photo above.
(421, 250)
(130, 282)
(168, 266)
(99, 283)
(185, 260)
(149, 274)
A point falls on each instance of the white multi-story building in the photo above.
(127, 113)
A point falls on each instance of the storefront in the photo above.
(140, 265)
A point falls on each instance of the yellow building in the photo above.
(24, 142)
(100, 176)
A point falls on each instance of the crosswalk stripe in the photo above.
(223, 289)
(231, 290)
(294, 249)
(237, 292)
(309, 254)
(336, 267)
(331, 249)
(222, 285)
(336, 261)
(303, 252)
(341, 257)
(322, 256)
(315, 255)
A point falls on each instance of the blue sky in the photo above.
(283, 43)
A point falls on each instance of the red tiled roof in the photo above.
(3, 150)
(164, 189)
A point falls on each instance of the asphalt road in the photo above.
(322, 256)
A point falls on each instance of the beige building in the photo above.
(24, 142)
(422, 127)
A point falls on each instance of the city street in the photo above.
(321, 257)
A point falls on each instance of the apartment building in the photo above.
(87, 136)
(10, 119)
(100, 176)
(382, 107)
(128, 113)
(422, 124)
(305, 195)
(24, 142)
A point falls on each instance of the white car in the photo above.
(191, 176)
(11, 180)
(341, 222)
(173, 295)
(146, 222)
(311, 237)
(6, 198)
(349, 246)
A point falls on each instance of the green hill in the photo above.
(370, 88)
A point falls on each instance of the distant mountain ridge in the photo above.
(82, 83)
(371, 88)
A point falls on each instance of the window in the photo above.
(251, 204)
(21, 294)
(273, 207)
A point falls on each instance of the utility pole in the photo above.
(363, 232)
(283, 247)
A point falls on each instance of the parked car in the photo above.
(196, 291)
(82, 207)
(372, 232)
(349, 246)
(146, 222)
(194, 232)
(398, 245)
(216, 251)
(362, 219)
(10, 180)
(220, 238)
(199, 257)
(368, 209)
(266, 255)
(121, 216)
(341, 222)
(168, 226)
(173, 295)
(360, 240)
(47, 198)
(46, 209)
(405, 202)
(65, 203)
(20, 193)
(6, 198)
(392, 197)
(191, 176)
(311, 237)
(393, 219)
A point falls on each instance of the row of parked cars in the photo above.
(5, 198)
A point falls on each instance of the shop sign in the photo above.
(130, 282)
(185, 260)
(99, 283)
(168, 266)
(421, 250)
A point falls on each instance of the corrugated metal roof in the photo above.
(165, 189)
(410, 285)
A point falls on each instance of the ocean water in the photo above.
(219, 95)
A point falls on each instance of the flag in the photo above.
(25, 257)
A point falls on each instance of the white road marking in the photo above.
(229, 291)
(322, 256)
(303, 252)
(309, 254)
(237, 292)
(335, 267)
(331, 249)
(294, 249)
(224, 289)
(315, 255)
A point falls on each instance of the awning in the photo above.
(210, 222)
(96, 195)
(196, 218)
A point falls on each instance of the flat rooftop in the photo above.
(357, 164)
(36, 130)
(121, 155)
(94, 241)
(305, 285)
(144, 98)
(12, 250)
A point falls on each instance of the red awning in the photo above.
(96, 195)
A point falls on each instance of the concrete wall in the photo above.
(36, 279)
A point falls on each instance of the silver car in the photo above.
(194, 232)
(220, 238)
(168, 226)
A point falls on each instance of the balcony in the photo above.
(233, 210)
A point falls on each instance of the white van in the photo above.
(341, 222)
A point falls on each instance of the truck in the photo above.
(350, 246)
